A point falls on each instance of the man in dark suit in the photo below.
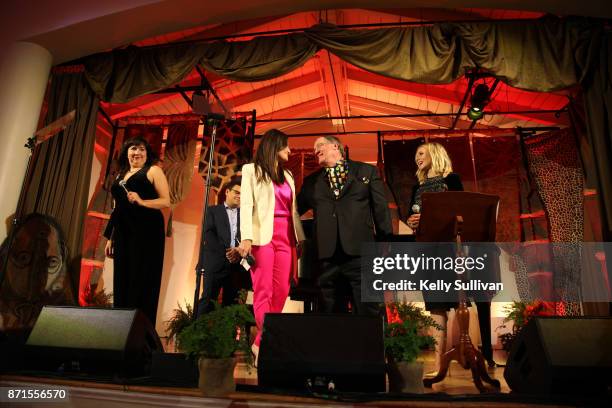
(221, 259)
(350, 207)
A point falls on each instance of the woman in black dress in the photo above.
(135, 231)
(435, 174)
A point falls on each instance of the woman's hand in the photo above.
(134, 198)
(245, 247)
(413, 221)
(108, 249)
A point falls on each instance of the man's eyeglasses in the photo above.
(235, 191)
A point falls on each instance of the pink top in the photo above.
(284, 200)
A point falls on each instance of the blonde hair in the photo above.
(440, 162)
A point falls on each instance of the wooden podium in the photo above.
(460, 217)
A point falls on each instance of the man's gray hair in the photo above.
(334, 140)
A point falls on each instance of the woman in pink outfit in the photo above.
(270, 225)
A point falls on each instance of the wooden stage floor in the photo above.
(457, 390)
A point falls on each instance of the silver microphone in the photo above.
(416, 208)
(122, 184)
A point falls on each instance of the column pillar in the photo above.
(24, 73)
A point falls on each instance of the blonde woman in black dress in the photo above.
(135, 231)
(434, 174)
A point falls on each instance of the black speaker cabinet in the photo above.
(561, 355)
(175, 369)
(92, 340)
(301, 351)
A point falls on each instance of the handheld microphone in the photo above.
(416, 209)
(250, 260)
(122, 184)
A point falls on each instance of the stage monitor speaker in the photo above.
(92, 340)
(175, 369)
(569, 355)
(302, 351)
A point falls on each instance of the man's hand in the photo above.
(233, 255)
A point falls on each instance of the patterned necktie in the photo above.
(337, 176)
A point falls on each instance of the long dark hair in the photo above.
(267, 166)
(124, 163)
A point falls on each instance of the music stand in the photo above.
(457, 216)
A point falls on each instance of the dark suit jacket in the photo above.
(360, 214)
(217, 240)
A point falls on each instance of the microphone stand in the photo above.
(214, 120)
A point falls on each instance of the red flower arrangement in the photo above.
(538, 308)
(520, 313)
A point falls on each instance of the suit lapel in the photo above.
(237, 228)
(323, 184)
(225, 225)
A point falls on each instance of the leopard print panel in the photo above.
(555, 167)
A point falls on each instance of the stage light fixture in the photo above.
(480, 99)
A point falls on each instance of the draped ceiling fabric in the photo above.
(547, 55)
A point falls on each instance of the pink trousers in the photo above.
(273, 267)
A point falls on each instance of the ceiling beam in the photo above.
(311, 108)
(224, 30)
(383, 108)
(277, 88)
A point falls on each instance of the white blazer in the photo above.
(257, 208)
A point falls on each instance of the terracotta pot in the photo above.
(217, 376)
(405, 377)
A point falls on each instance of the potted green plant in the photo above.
(215, 338)
(180, 319)
(406, 335)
